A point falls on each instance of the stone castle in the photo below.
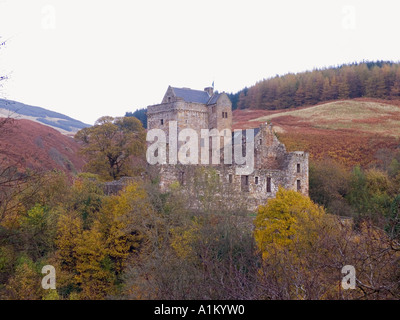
(196, 109)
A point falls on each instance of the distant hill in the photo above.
(357, 131)
(58, 121)
(28, 144)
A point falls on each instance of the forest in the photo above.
(380, 79)
(141, 243)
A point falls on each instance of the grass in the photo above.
(367, 116)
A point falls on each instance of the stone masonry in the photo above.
(273, 165)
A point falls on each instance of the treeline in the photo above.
(379, 79)
(140, 114)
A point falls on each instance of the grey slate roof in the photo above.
(214, 98)
(190, 95)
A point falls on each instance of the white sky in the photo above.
(91, 58)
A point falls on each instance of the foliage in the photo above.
(304, 250)
(196, 241)
(371, 194)
(281, 221)
(140, 114)
(112, 145)
(23, 284)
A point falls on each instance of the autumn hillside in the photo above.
(361, 131)
(29, 144)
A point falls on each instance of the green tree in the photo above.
(329, 185)
(113, 146)
(140, 114)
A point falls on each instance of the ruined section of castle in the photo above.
(273, 165)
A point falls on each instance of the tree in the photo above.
(140, 114)
(114, 146)
(25, 283)
(124, 222)
(93, 275)
(371, 194)
(279, 222)
(329, 184)
(304, 251)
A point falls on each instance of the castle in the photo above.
(196, 109)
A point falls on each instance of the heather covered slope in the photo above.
(29, 144)
(357, 131)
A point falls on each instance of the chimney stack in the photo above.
(209, 90)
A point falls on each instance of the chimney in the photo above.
(209, 90)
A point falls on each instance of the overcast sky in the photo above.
(91, 58)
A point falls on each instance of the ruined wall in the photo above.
(257, 187)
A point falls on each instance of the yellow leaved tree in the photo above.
(124, 220)
(92, 274)
(294, 236)
(288, 219)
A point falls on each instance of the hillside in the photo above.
(357, 131)
(29, 144)
(58, 121)
(380, 80)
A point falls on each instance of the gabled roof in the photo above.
(214, 98)
(190, 95)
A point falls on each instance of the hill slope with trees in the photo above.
(379, 80)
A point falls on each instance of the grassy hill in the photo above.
(58, 121)
(358, 131)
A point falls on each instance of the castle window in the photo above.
(230, 178)
(162, 121)
(298, 168)
(245, 183)
(268, 184)
(169, 99)
(181, 178)
(256, 180)
(298, 185)
(260, 142)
